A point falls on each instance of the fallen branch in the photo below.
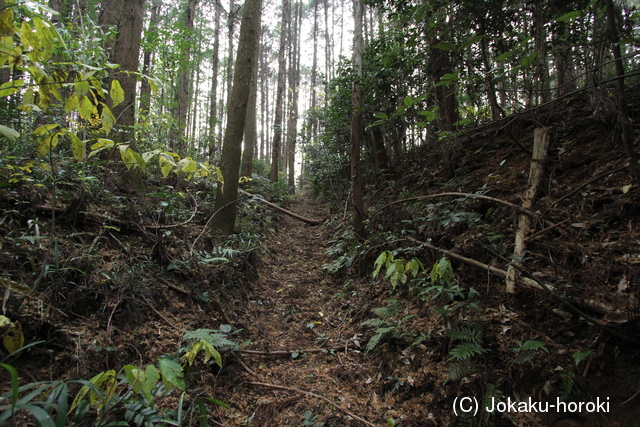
(317, 396)
(602, 175)
(470, 195)
(313, 222)
(288, 352)
(495, 270)
(534, 283)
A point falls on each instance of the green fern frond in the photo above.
(579, 357)
(466, 351)
(459, 370)
(531, 345)
(373, 322)
(464, 333)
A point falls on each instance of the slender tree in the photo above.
(277, 126)
(227, 192)
(356, 122)
(213, 95)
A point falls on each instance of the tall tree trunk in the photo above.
(314, 74)
(327, 44)
(145, 86)
(294, 73)
(227, 193)
(182, 90)
(215, 62)
(231, 20)
(356, 123)
(250, 126)
(128, 18)
(623, 109)
(277, 126)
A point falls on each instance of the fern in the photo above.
(212, 336)
(531, 345)
(579, 357)
(373, 322)
(375, 339)
(466, 351)
(459, 370)
(463, 333)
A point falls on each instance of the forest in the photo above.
(319, 213)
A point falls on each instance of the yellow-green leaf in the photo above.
(4, 321)
(116, 93)
(78, 147)
(9, 88)
(86, 108)
(13, 339)
(107, 119)
(72, 103)
(45, 129)
(48, 143)
(9, 133)
(81, 86)
(6, 23)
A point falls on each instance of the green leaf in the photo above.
(9, 133)
(9, 88)
(7, 28)
(379, 262)
(569, 16)
(78, 148)
(107, 119)
(71, 103)
(217, 402)
(446, 46)
(86, 108)
(408, 101)
(116, 93)
(172, 374)
(382, 116)
(81, 86)
(528, 60)
(48, 143)
(504, 56)
(45, 129)
(131, 158)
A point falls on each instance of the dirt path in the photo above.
(295, 307)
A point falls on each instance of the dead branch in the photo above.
(288, 352)
(284, 211)
(602, 175)
(540, 147)
(317, 396)
(472, 196)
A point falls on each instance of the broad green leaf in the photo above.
(187, 165)
(71, 103)
(381, 116)
(9, 88)
(446, 46)
(473, 40)
(152, 376)
(379, 262)
(528, 60)
(81, 86)
(209, 351)
(166, 164)
(9, 133)
(150, 155)
(569, 16)
(135, 377)
(408, 101)
(131, 158)
(4, 321)
(45, 129)
(48, 143)
(172, 374)
(78, 147)
(107, 119)
(13, 338)
(102, 142)
(6, 23)
(116, 93)
(505, 55)
(86, 108)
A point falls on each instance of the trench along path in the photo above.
(296, 306)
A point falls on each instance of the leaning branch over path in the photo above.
(534, 283)
(317, 396)
(469, 195)
(284, 211)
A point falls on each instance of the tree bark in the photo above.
(227, 192)
(277, 126)
(215, 63)
(625, 123)
(145, 87)
(540, 147)
(250, 127)
(356, 123)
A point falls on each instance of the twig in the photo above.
(167, 321)
(631, 398)
(602, 175)
(288, 352)
(544, 230)
(247, 369)
(209, 220)
(317, 396)
(471, 196)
